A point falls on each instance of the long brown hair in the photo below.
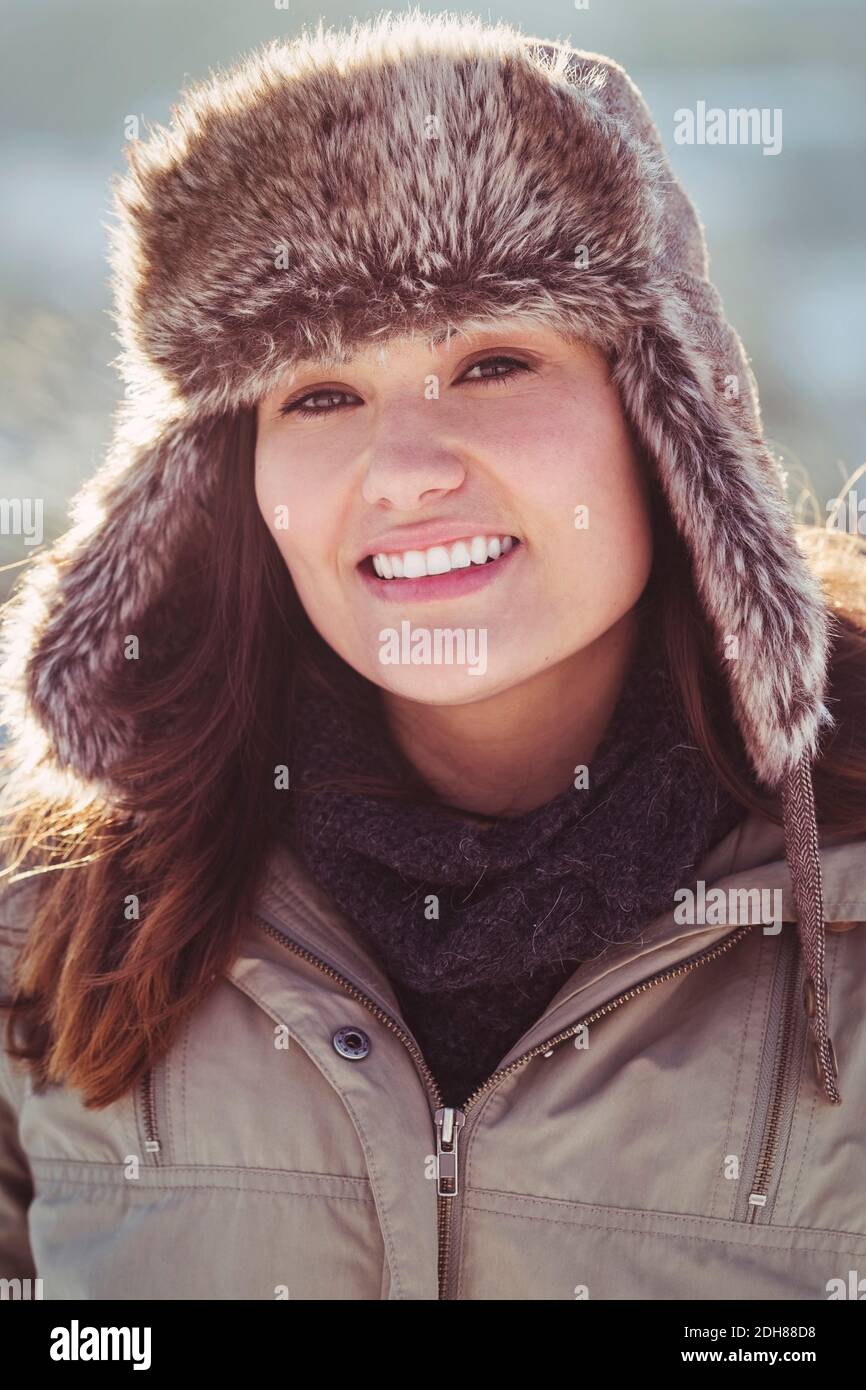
(142, 902)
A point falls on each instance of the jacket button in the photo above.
(351, 1043)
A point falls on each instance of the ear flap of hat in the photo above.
(726, 497)
(67, 624)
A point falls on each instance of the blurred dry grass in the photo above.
(58, 398)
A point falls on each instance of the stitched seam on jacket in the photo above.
(184, 1050)
(756, 974)
(150, 1188)
(169, 1116)
(470, 1152)
(186, 1168)
(859, 1239)
(762, 1041)
(53, 1174)
(652, 1213)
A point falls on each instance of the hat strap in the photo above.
(804, 862)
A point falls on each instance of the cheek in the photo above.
(299, 515)
(587, 497)
(614, 535)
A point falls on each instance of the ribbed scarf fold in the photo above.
(478, 928)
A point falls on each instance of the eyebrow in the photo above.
(442, 336)
(435, 339)
(504, 326)
(468, 329)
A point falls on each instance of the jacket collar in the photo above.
(752, 856)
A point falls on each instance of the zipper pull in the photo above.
(448, 1123)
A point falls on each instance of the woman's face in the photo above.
(419, 461)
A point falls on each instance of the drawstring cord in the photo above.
(804, 861)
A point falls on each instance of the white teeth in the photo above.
(438, 560)
(441, 559)
(414, 564)
(478, 550)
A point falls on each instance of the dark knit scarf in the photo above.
(523, 902)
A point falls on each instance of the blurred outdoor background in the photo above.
(785, 230)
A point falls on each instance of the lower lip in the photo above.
(438, 586)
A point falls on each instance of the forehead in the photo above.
(438, 339)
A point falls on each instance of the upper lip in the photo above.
(423, 536)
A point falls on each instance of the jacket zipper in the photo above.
(449, 1121)
(148, 1102)
(758, 1206)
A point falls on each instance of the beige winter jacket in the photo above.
(658, 1133)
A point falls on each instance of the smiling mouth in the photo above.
(465, 556)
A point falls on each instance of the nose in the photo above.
(407, 468)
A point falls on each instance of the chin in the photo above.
(435, 685)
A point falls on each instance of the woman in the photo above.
(414, 885)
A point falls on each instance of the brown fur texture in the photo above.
(417, 173)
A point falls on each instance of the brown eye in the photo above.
(505, 367)
(299, 406)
